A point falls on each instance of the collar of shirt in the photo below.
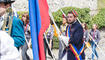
(74, 22)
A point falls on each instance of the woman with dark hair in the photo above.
(25, 19)
(86, 33)
(63, 32)
(49, 38)
(96, 37)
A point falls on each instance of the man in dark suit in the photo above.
(75, 32)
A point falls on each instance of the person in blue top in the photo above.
(17, 32)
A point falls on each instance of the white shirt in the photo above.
(7, 49)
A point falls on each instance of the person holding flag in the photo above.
(86, 34)
(74, 30)
(25, 20)
(64, 25)
(62, 30)
(49, 36)
(95, 33)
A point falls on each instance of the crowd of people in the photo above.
(20, 36)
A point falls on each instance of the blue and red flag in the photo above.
(39, 22)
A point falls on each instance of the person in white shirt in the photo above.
(7, 49)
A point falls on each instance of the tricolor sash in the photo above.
(73, 48)
(76, 52)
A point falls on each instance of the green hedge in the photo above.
(99, 19)
(83, 14)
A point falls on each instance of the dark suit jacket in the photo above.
(76, 38)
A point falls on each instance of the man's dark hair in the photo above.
(70, 12)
